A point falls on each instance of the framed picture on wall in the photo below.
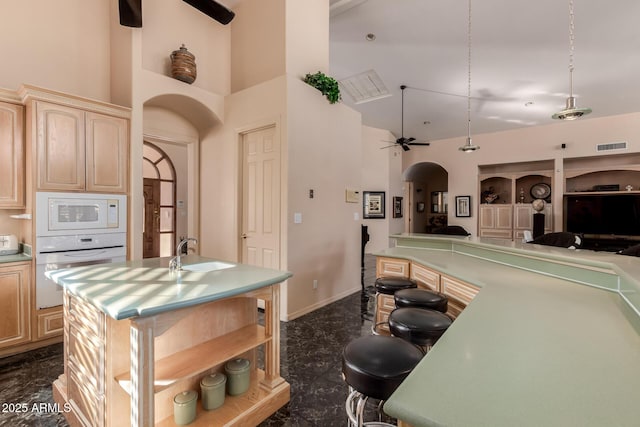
(463, 206)
(397, 207)
(373, 204)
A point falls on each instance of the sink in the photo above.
(205, 267)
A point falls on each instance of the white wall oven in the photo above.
(76, 229)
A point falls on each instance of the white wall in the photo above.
(521, 145)
(220, 164)
(324, 155)
(257, 43)
(307, 37)
(61, 45)
(381, 171)
(167, 24)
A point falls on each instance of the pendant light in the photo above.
(469, 147)
(571, 112)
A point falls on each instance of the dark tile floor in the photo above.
(311, 348)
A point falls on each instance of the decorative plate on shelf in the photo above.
(540, 191)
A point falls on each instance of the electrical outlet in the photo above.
(315, 284)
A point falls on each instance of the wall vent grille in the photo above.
(612, 146)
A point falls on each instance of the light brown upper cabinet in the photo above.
(80, 150)
(12, 172)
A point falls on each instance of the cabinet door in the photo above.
(386, 267)
(487, 216)
(425, 277)
(503, 217)
(496, 221)
(523, 219)
(460, 294)
(107, 147)
(60, 147)
(523, 216)
(12, 170)
(49, 323)
(14, 304)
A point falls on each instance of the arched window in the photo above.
(159, 211)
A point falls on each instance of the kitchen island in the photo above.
(551, 338)
(137, 334)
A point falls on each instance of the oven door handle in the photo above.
(85, 254)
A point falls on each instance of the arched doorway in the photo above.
(427, 197)
(159, 207)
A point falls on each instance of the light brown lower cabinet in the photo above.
(395, 267)
(425, 277)
(459, 293)
(49, 322)
(15, 303)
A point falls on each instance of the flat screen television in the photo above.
(603, 215)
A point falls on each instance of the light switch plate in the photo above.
(297, 218)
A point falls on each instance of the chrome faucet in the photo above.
(175, 263)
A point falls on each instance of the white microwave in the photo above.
(71, 213)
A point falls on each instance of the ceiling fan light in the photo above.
(571, 112)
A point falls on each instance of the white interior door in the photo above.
(261, 198)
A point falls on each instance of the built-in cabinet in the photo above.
(459, 293)
(51, 141)
(496, 221)
(505, 196)
(609, 174)
(12, 167)
(80, 150)
(15, 304)
(524, 215)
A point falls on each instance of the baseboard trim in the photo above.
(292, 316)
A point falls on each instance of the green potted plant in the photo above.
(325, 84)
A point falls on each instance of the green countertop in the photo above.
(147, 287)
(21, 257)
(531, 349)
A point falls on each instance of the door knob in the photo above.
(244, 236)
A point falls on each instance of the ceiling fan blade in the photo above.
(213, 9)
(420, 143)
(388, 146)
(405, 147)
(409, 140)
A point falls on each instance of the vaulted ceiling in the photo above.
(519, 61)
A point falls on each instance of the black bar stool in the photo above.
(418, 326)
(421, 298)
(390, 285)
(374, 366)
(386, 287)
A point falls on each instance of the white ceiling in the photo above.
(520, 54)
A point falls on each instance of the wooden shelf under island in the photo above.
(136, 335)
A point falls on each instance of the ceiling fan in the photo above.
(402, 141)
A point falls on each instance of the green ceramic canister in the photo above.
(238, 376)
(212, 390)
(184, 407)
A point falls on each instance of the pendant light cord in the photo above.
(571, 47)
(469, 77)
